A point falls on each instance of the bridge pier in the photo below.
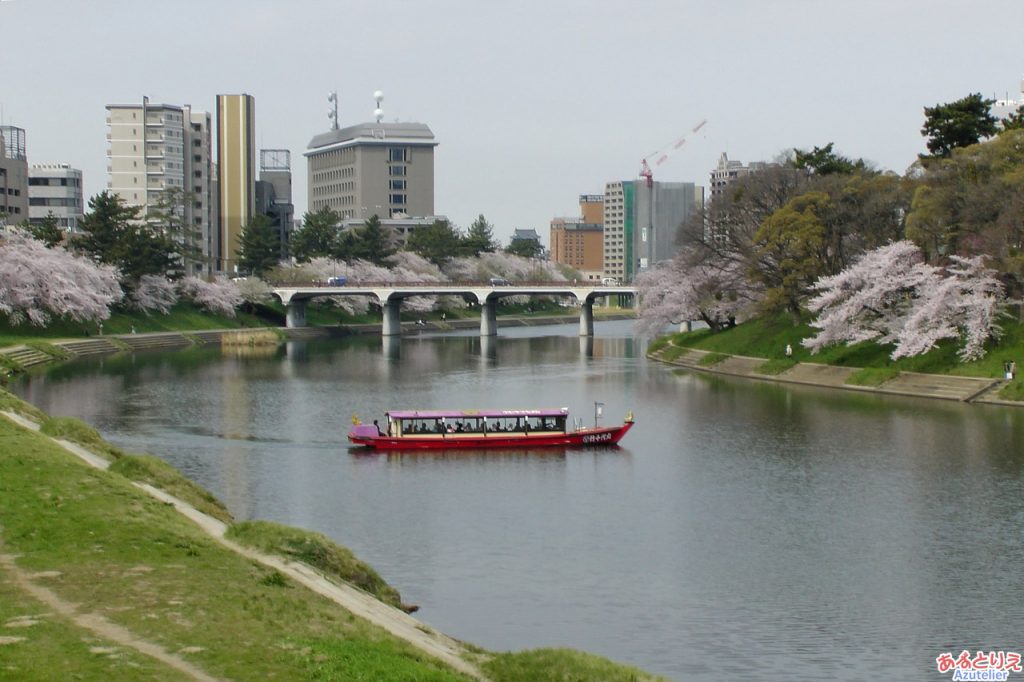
(392, 320)
(296, 313)
(489, 318)
(587, 318)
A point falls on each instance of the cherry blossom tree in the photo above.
(254, 291)
(153, 293)
(37, 282)
(219, 296)
(688, 288)
(871, 299)
(891, 296)
(962, 305)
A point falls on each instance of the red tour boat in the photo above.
(447, 429)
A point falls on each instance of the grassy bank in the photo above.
(117, 555)
(768, 337)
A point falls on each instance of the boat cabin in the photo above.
(441, 423)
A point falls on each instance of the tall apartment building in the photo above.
(383, 169)
(159, 160)
(641, 223)
(579, 242)
(236, 173)
(728, 170)
(13, 176)
(55, 189)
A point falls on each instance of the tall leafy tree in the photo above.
(525, 248)
(789, 250)
(48, 231)
(823, 161)
(436, 242)
(372, 242)
(168, 215)
(258, 246)
(973, 204)
(112, 233)
(318, 236)
(479, 238)
(958, 124)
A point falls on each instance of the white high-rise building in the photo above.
(159, 160)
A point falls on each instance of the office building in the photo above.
(642, 221)
(399, 227)
(383, 169)
(13, 176)
(55, 190)
(274, 193)
(236, 173)
(579, 242)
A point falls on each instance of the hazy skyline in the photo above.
(532, 103)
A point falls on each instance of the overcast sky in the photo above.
(532, 102)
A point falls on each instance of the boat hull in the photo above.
(495, 439)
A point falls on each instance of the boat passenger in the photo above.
(379, 432)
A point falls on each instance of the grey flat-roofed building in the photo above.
(55, 189)
(383, 169)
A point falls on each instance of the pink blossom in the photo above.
(154, 292)
(892, 296)
(219, 296)
(37, 282)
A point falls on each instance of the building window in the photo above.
(397, 171)
(398, 184)
(398, 199)
(398, 154)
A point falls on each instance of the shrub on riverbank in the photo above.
(316, 550)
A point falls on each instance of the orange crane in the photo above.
(645, 170)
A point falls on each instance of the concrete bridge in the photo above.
(390, 296)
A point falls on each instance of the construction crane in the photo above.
(645, 170)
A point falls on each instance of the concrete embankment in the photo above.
(939, 386)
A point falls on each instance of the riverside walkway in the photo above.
(940, 386)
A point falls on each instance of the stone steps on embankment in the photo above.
(940, 386)
(157, 341)
(27, 357)
(86, 347)
(937, 385)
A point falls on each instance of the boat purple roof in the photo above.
(463, 414)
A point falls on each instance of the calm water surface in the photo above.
(744, 530)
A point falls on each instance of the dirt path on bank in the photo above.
(362, 604)
(97, 624)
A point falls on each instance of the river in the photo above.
(744, 530)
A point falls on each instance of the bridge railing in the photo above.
(454, 284)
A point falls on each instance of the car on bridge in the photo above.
(499, 282)
(337, 281)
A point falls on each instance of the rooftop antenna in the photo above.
(332, 113)
(378, 113)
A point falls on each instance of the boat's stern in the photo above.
(363, 434)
